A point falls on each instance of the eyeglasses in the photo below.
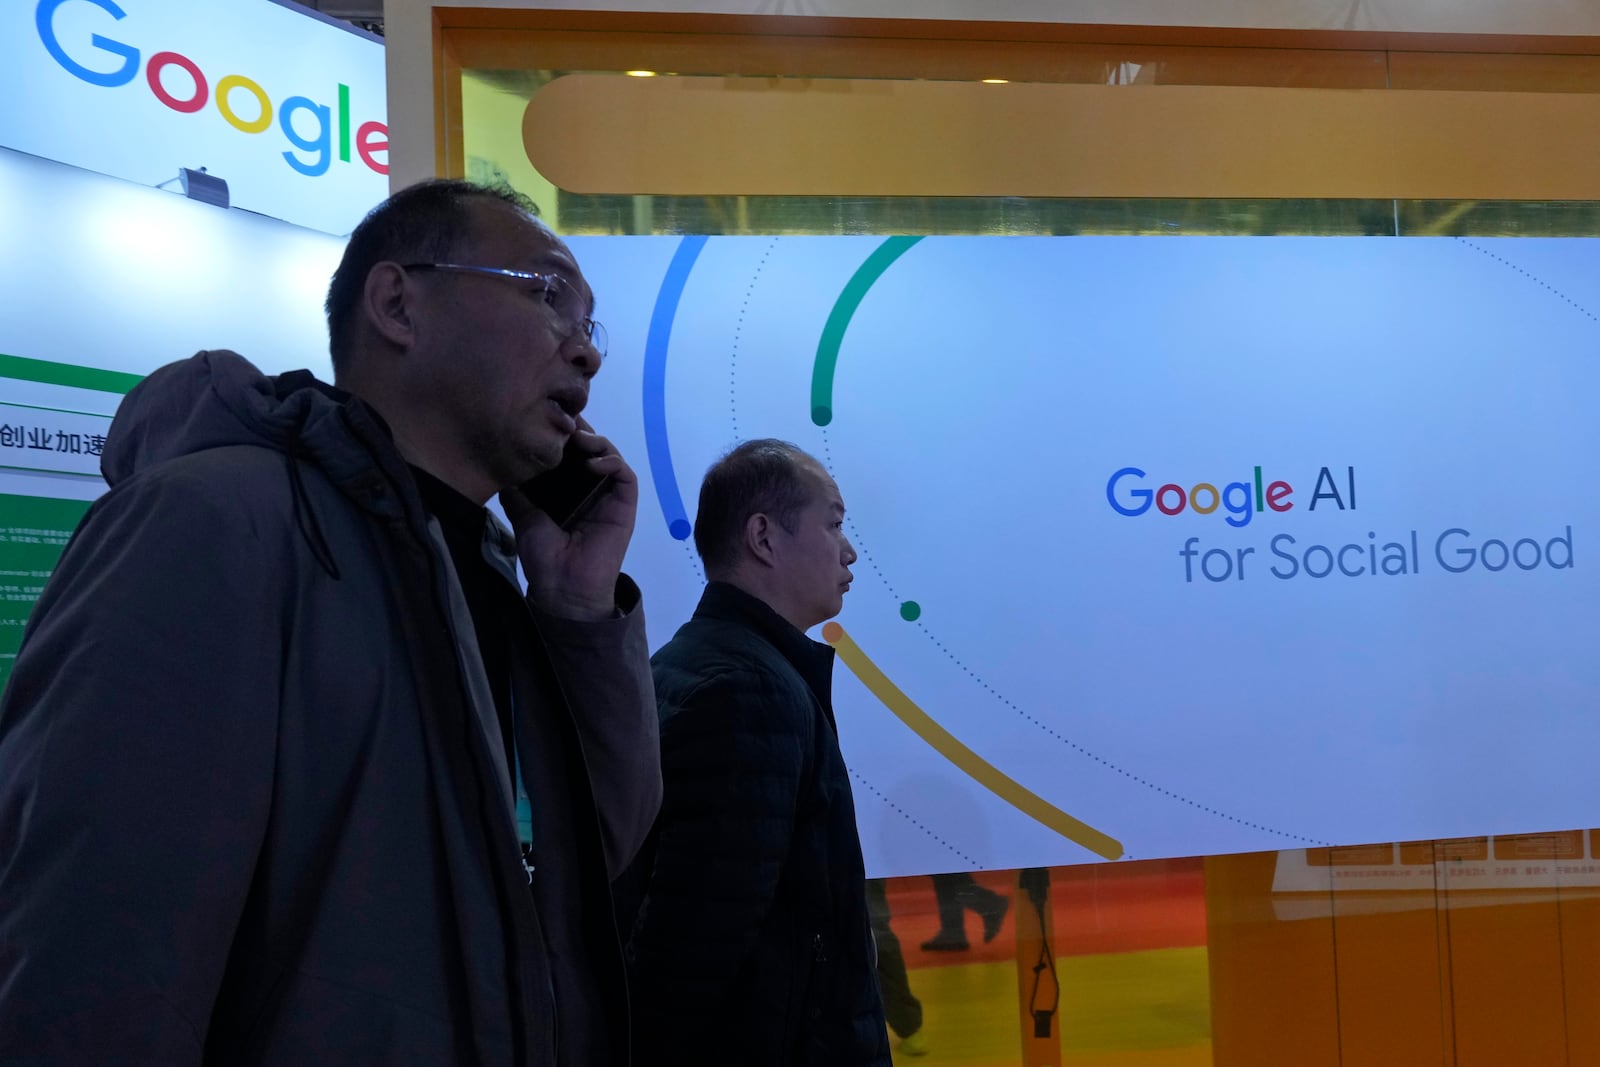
(559, 295)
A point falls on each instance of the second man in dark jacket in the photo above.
(752, 942)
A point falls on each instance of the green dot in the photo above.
(911, 611)
(821, 414)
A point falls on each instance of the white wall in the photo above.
(104, 273)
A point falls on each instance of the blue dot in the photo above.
(680, 529)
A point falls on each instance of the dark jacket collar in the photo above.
(461, 519)
(812, 659)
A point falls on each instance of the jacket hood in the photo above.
(218, 399)
(213, 400)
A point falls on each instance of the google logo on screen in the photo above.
(240, 100)
(1128, 494)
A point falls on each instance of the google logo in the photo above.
(241, 102)
(1240, 500)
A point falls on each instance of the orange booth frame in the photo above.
(1406, 977)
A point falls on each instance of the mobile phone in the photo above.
(568, 490)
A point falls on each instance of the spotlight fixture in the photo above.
(206, 188)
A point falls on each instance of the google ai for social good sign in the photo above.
(1208, 544)
(289, 111)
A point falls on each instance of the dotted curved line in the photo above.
(855, 539)
(1131, 776)
(912, 820)
(738, 329)
(1557, 293)
(694, 559)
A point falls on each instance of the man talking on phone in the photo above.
(292, 770)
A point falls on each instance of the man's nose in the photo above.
(583, 354)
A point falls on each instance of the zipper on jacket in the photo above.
(520, 992)
(555, 1021)
(598, 833)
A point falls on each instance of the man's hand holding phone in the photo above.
(572, 571)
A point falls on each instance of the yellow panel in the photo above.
(691, 136)
(1035, 929)
(483, 158)
(1506, 982)
(1542, 74)
(1580, 969)
(1392, 1003)
(1274, 998)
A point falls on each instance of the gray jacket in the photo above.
(254, 805)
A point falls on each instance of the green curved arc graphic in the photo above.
(839, 320)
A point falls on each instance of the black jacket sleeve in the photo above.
(604, 670)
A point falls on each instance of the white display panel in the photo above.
(1404, 653)
(290, 111)
(106, 275)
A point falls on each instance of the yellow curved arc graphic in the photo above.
(945, 743)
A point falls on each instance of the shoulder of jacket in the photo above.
(689, 674)
(250, 482)
(715, 651)
(226, 465)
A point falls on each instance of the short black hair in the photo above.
(764, 476)
(422, 223)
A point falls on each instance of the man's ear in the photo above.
(386, 304)
(758, 539)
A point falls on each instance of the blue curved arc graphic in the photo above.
(656, 344)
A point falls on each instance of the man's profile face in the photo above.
(509, 361)
(814, 559)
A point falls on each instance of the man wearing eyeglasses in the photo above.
(291, 769)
